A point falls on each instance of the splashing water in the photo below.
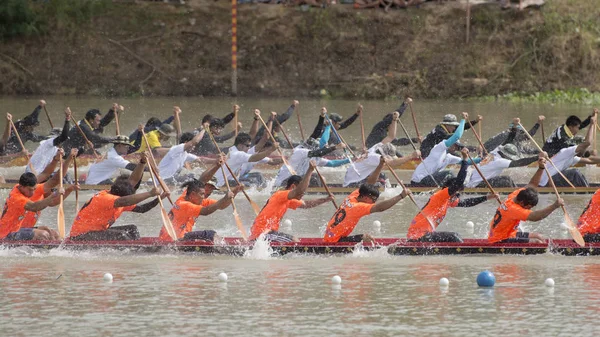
(261, 250)
(361, 252)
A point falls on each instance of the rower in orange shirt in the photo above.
(267, 221)
(95, 219)
(19, 203)
(517, 208)
(435, 210)
(589, 221)
(359, 203)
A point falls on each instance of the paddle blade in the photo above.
(240, 225)
(575, 234)
(167, 224)
(255, 207)
(60, 221)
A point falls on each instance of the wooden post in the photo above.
(234, 48)
(468, 20)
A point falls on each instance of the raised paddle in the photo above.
(575, 234)
(154, 167)
(550, 160)
(543, 133)
(484, 151)
(236, 109)
(359, 109)
(415, 148)
(176, 112)
(87, 141)
(236, 216)
(412, 198)
(76, 177)
(117, 108)
(414, 118)
(254, 205)
(296, 103)
(163, 213)
(489, 186)
(289, 167)
(347, 148)
(14, 128)
(284, 133)
(326, 187)
(60, 218)
(47, 114)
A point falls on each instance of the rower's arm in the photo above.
(49, 169)
(138, 172)
(56, 178)
(301, 188)
(522, 162)
(386, 204)
(318, 128)
(456, 135)
(145, 207)
(64, 135)
(314, 202)
(471, 201)
(321, 152)
(192, 143)
(49, 201)
(535, 180)
(392, 130)
(374, 176)
(6, 133)
(107, 118)
(460, 178)
(221, 204)
(206, 175)
(399, 161)
(226, 137)
(348, 121)
(135, 198)
(254, 127)
(543, 213)
(261, 155)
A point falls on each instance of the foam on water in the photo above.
(360, 251)
(261, 250)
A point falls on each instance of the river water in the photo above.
(63, 293)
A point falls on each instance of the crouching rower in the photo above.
(422, 227)
(95, 219)
(517, 207)
(267, 221)
(19, 203)
(359, 203)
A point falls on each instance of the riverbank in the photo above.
(127, 49)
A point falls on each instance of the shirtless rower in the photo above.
(359, 203)
(435, 210)
(267, 221)
(517, 208)
(95, 219)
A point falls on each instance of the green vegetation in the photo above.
(16, 18)
(576, 96)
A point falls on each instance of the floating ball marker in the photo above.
(377, 223)
(287, 223)
(470, 224)
(444, 282)
(549, 282)
(107, 277)
(336, 280)
(223, 277)
(486, 279)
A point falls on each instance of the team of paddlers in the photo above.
(41, 186)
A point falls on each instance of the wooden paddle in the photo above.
(489, 186)
(176, 112)
(284, 133)
(550, 160)
(254, 205)
(116, 107)
(347, 148)
(289, 167)
(575, 234)
(163, 213)
(410, 195)
(87, 141)
(543, 133)
(61, 209)
(415, 148)
(414, 118)
(236, 109)
(484, 151)
(236, 216)
(326, 187)
(299, 121)
(362, 127)
(76, 177)
(48, 116)
(14, 128)
(154, 167)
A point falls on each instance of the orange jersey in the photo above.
(13, 213)
(207, 202)
(435, 210)
(507, 219)
(588, 222)
(98, 214)
(270, 216)
(31, 218)
(183, 216)
(346, 217)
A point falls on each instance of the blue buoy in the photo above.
(486, 279)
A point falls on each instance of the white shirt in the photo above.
(564, 159)
(299, 161)
(437, 160)
(106, 169)
(364, 167)
(489, 170)
(239, 164)
(43, 155)
(174, 161)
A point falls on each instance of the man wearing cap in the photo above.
(156, 138)
(502, 157)
(520, 139)
(101, 173)
(563, 136)
(380, 130)
(152, 124)
(92, 126)
(25, 128)
(443, 131)
(570, 156)
(281, 118)
(340, 124)
(431, 171)
(45, 152)
(206, 146)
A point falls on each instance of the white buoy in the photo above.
(223, 277)
(470, 224)
(336, 280)
(549, 282)
(377, 223)
(444, 282)
(287, 223)
(107, 277)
